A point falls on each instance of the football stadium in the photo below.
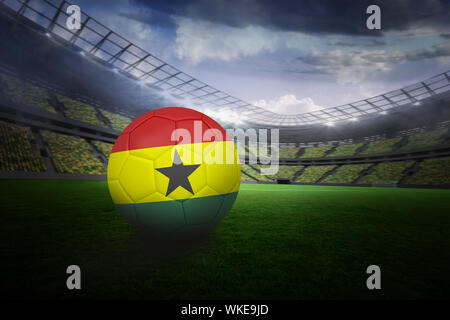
(358, 184)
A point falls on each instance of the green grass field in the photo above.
(278, 242)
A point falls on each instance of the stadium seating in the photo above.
(117, 121)
(424, 140)
(381, 146)
(245, 177)
(288, 153)
(241, 150)
(288, 171)
(432, 172)
(251, 150)
(103, 147)
(315, 152)
(313, 173)
(72, 154)
(16, 153)
(247, 169)
(80, 111)
(386, 173)
(345, 150)
(25, 94)
(260, 176)
(283, 172)
(347, 173)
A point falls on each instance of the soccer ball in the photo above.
(174, 172)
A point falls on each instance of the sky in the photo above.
(288, 56)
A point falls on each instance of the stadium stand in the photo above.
(381, 146)
(117, 121)
(72, 154)
(103, 147)
(262, 177)
(241, 150)
(432, 172)
(251, 149)
(246, 178)
(386, 173)
(288, 153)
(424, 140)
(16, 153)
(25, 94)
(313, 173)
(246, 169)
(347, 173)
(288, 171)
(345, 150)
(315, 152)
(80, 111)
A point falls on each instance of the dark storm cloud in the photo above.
(336, 61)
(346, 17)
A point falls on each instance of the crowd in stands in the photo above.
(80, 111)
(347, 173)
(313, 173)
(381, 146)
(345, 150)
(424, 140)
(72, 154)
(103, 147)
(24, 93)
(16, 153)
(117, 121)
(315, 152)
(386, 173)
(432, 172)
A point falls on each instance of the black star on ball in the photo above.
(178, 174)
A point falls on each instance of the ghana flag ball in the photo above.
(174, 171)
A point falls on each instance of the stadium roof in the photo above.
(95, 40)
